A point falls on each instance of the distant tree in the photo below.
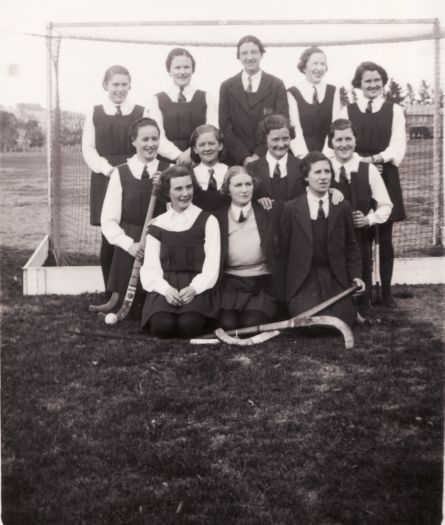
(425, 94)
(9, 131)
(410, 95)
(344, 96)
(394, 93)
(34, 134)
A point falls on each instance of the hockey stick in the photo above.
(106, 307)
(376, 267)
(281, 325)
(134, 278)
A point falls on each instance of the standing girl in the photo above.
(181, 108)
(381, 139)
(105, 145)
(181, 262)
(313, 104)
(126, 203)
(206, 145)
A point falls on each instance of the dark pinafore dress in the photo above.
(321, 284)
(113, 143)
(182, 257)
(181, 118)
(373, 136)
(315, 119)
(136, 195)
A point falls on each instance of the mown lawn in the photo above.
(128, 430)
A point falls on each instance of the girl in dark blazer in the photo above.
(317, 241)
(249, 282)
(245, 99)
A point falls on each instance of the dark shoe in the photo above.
(389, 302)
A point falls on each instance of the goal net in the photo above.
(78, 55)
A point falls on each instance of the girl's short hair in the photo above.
(308, 160)
(340, 124)
(179, 52)
(172, 172)
(306, 55)
(115, 70)
(368, 66)
(196, 133)
(231, 172)
(141, 123)
(272, 122)
(253, 40)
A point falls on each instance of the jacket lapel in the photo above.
(238, 92)
(304, 217)
(332, 216)
(263, 89)
(264, 176)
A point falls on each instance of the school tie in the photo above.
(277, 172)
(241, 217)
(343, 177)
(212, 181)
(145, 174)
(181, 96)
(369, 106)
(315, 100)
(320, 214)
(249, 85)
(118, 110)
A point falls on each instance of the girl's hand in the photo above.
(172, 297)
(360, 283)
(336, 196)
(250, 159)
(187, 294)
(360, 220)
(156, 177)
(266, 203)
(184, 159)
(133, 250)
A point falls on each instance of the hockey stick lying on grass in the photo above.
(134, 278)
(269, 330)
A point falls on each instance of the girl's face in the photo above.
(250, 57)
(118, 87)
(371, 84)
(319, 178)
(316, 68)
(241, 189)
(207, 148)
(181, 192)
(146, 143)
(278, 142)
(181, 70)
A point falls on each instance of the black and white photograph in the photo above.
(222, 248)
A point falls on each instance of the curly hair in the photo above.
(368, 66)
(162, 188)
(308, 160)
(231, 172)
(115, 70)
(179, 52)
(306, 55)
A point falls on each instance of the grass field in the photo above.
(106, 426)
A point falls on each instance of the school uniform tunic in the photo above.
(310, 121)
(183, 249)
(322, 255)
(248, 258)
(123, 216)
(105, 144)
(210, 199)
(382, 132)
(177, 120)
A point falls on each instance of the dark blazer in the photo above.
(260, 170)
(296, 244)
(268, 224)
(238, 120)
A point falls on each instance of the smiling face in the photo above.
(371, 84)
(181, 70)
(278, 142)
(207, 148)
(241, 189)
(181, 192)
(343, 144)
(250, 57)
(146, 143)
(316, 68)
(319, 178)
(118, 87)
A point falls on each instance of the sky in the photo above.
(23, 59)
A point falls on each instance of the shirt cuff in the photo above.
(105, 167)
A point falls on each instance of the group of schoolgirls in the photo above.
(278, 232)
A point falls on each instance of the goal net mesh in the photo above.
(79, 55)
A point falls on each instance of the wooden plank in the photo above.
(40, 254)
(421, 270)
